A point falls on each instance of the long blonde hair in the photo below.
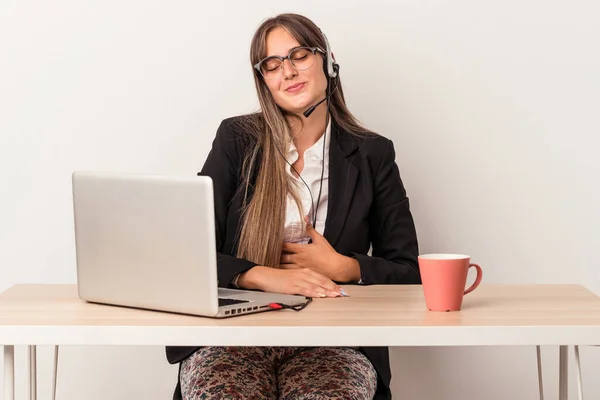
(266, 181)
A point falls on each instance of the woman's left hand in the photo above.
(320, 257)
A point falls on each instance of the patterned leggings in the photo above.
(285, 373)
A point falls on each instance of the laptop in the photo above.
(148, 241)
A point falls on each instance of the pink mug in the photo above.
(444, 278)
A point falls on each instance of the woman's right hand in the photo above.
(305, 282)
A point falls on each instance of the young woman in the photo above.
(302, 192)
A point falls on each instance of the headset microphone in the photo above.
(311, 109)
(307, 113)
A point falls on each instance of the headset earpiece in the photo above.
(332, 66)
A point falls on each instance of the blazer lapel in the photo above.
(342, 181)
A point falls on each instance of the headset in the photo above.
(332, 72)
(331, 69)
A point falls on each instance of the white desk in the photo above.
(388, 315)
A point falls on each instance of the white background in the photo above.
(492, 106)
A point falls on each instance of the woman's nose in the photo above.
(288, 69)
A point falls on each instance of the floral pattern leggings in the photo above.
(285, 373)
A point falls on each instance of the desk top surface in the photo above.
(567, 314)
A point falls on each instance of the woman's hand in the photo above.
(321, 257)
(302, 281)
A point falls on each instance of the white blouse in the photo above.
(295, 226)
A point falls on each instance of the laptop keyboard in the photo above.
(228, 302)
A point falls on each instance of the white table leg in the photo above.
(9, 372)
(563, 373)
(539, 368)
(579, 378)
(32, 351)
(55, 372)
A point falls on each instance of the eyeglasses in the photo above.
(301, 58)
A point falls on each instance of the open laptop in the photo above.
(148, 241)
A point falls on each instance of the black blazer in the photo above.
(367, 207)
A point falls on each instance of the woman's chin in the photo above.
(298, 107)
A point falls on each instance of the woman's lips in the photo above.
(296, 88)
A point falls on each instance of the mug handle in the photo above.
(477, 280)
